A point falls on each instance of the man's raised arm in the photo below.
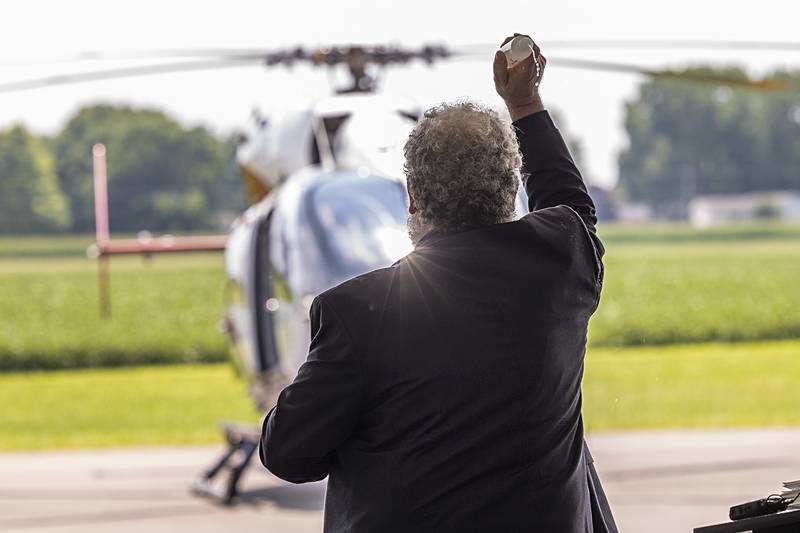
(552, 177)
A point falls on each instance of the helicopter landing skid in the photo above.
(242, 444)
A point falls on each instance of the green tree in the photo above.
(30, 198)
(161, 175)
(694, 138)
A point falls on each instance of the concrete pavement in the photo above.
(657, 481)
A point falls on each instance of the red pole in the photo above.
(101, 226)
(104, 281)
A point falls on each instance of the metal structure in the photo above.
(104, 247)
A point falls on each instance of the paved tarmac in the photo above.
(657, 481)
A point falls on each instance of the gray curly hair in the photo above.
(462, 163)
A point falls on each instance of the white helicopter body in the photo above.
(334, 206)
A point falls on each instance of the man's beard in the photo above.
(416, 228)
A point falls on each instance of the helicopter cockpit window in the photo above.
(331, 127)
(374, 141)
(361, 223)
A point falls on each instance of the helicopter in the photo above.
(328, 201)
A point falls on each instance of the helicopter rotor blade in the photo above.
(639, 44)
(174, 53)
(692, 44)
(696, 44)
(140, 55)
(766, 84)
(127, 72)
(360, 56)
(247, 53)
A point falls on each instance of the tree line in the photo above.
(162, 175)
(685, 139)
(688, 139)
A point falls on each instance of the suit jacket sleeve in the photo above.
(550, 175)
(319, 409)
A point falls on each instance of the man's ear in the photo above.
(411, 207)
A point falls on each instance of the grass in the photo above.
(664, 284)
(683, 293)
(701, 385)
(165, 310)
(44, 246)
(709, 385)
(119, 407)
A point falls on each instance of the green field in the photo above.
(164, 310)
(677, 386)
(117, 407)
(42, 247)
(664, 285)
(661, 293)
(695, 385)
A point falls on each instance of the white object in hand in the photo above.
(517, 50)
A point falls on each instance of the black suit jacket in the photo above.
(444, 393)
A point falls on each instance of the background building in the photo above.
(711, 210)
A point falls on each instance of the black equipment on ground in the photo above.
(242, 444)
(769, 505)
(788, 522)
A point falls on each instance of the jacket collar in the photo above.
(431, 237)
(435, 235)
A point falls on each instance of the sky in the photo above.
(38, 37)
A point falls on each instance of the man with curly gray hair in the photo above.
(463, 169)
(443, 393)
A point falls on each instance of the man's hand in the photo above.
(519, 86)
